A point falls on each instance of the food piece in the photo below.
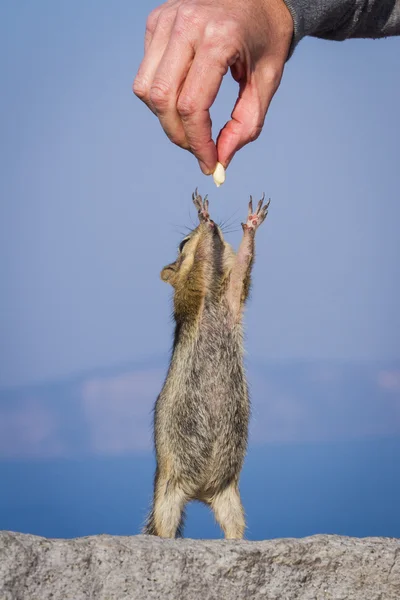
(219, 174)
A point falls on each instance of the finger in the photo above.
(151, 25)
(152, 21)
(153, 56)
(255, 95)
(198, 94)
(167, 84)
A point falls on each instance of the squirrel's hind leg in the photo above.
(228, 511)
(166, 518)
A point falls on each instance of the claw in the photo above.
(260, 203)
(197, 201)
(264, 210)
(251, 206)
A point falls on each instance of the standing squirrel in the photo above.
(202, 413)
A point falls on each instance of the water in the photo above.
(288, 490)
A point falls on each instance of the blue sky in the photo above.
(92, 193)
(92, 198)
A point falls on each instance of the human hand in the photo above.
(189, 47)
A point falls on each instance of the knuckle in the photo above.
(219, 32)
(177, 139)
(273, 75)
(159, 94)
(140, 89)
(166, 18)
(187, 13)
(152, 20)
(187, 21)
(254, 133)
(186, 106)
(222, 42)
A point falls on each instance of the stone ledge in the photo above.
(104, 567)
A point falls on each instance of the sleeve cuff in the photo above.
(329, 19)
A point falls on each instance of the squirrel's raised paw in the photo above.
(254, 219)
(202, 207)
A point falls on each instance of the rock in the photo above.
(107, 567)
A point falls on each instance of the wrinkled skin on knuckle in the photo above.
(160, 93)
(200, 143)
(197, 149)
(186, 106)
(177, 140)
(140, 89)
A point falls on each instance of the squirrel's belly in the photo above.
(206, 408)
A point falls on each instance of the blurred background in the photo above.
(93, 200)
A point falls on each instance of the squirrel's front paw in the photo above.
(254, 219)
(202, 208)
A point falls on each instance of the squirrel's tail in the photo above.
(150, 525)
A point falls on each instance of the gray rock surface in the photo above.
(106, 568)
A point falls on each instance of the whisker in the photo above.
(191, 218)
(228, 225)
(234, 223)
(227, 231)
(226, 221)
(181, 226)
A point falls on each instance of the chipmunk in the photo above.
(201, 415)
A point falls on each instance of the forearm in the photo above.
(239, 280)
(343, 19)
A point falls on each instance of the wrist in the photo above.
(280, 18)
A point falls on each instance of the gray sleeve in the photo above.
(342, 19)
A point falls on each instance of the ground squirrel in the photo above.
(201, 415)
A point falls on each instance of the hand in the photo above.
(189, 47)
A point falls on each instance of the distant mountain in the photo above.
(108, 411)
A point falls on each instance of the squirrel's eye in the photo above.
(183, 242)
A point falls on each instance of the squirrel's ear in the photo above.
(168, 274)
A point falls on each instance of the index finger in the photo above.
(195, 99)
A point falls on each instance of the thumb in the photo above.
(247, 119)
